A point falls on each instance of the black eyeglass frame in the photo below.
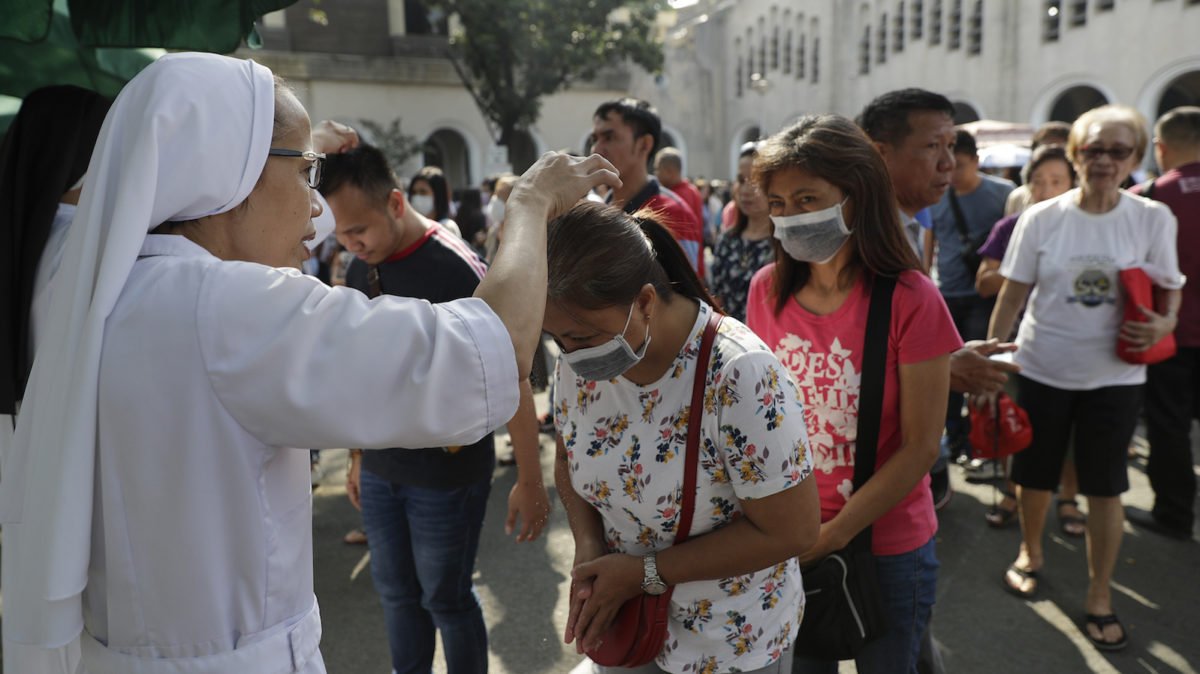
(314, 171)
(1118, 153)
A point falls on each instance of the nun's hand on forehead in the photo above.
(558, 181)
(333, 137)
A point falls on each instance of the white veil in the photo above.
(186, 138)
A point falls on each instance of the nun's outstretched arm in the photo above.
(515, 285)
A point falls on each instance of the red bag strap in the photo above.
(695, 414)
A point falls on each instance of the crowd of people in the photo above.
(175, 331)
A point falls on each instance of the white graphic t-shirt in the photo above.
(625, 448)
(1068, 338)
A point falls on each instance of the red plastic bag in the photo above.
(1139, 293)
(1013, 434)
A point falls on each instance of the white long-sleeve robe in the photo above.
(202, 537)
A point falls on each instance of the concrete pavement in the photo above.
(980, 627)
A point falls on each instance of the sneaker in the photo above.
(939, 484)
(984, 470)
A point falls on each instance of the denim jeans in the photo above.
(423, 544)
(908, 583)
(971, 315)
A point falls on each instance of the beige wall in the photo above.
(427, 97)
(1130, 53)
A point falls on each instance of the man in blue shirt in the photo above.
(961, 222)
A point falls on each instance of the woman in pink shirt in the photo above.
(835, 216)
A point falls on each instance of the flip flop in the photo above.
(1102, 621)
(1025, 574)
(355, 537)
(1074, 526)
(998, 516)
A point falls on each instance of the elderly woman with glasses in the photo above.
(1069, 251)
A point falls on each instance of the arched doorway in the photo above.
(1075, 101)
(447, 149)
(667, 139)
(1183, 90)
(965, 112)
(522, 151)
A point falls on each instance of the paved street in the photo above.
(980, 627)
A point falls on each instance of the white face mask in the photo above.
(610, 359)
(495, 210)
(423, 203)
(812, 237)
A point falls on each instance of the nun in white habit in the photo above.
(153, 519)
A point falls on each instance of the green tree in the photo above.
(512, 53)
(396, 145)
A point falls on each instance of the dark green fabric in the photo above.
(59, 59)
(217, 26)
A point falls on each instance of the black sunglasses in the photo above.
(1118, 153)
(314, 171)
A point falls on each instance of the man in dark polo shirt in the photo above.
(1173, 386)
(626, 132)
(423, 508)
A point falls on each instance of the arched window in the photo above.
(1051, 21)
(955, 39)
(864, 52)
(935, 22)
(775, 47)
(787, 52)
(975, 29)
(881, 40)
(801, 54)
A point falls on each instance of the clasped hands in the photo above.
(600, 585)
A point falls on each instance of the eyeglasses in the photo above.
(314, 171)
(1118, 153)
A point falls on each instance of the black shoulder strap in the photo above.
(960, 220)
(874, 369)
(374, 284)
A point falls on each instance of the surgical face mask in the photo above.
(495, 210)
(422, 202)
(609, 360)
(812, 237)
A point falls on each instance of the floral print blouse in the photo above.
(735, 260)
(625, 447)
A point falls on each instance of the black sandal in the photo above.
(1074, 526)
(1102, 621)
(998, 516)
(1025, 574)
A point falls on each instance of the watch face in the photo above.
(654, 587)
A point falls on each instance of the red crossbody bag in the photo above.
(639, 631)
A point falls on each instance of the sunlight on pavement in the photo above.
(1052, 614)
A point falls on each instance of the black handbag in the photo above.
(843, 610)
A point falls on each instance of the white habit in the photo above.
(153, 516)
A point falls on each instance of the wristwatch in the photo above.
(652, 583)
